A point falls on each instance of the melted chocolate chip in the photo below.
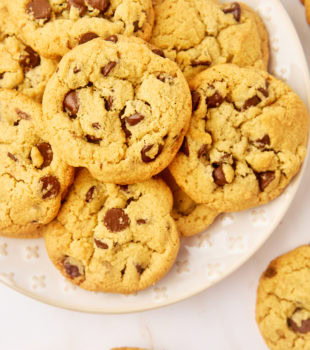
(107, 68)
(265, 179)
(76, 70)
(270, 272)
(40, 9)
(251, 102)
(235, 9)
(87, 37)
(116, 220)
(134, 119)
(2, 75)
(140, 269)
(195, 100)
(263, 142)
(124, 127)
(218, 175)
(215, 100)
(22, 115)
(100, 244)
(136, 26)
(29, 61)
(203, 152)
(93, 139)
(184, 148)
(145, 157)
(108, 103)
(265, 92)
(71, 270)
(141, 222)
(101, 5)
(96, 126)
(90, 194)
(10, 155)
(200, 63)
(46, 152)
(71, 104)
(79, 4)
(50, 186)
(112, 38)
(303, 328)
(159, 52)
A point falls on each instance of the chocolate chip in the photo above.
(101, 5)
(22, 115)
(134, 119)
(107, 68)
(29, 61)
(235, 9)
(40, 9)
(218, 175)
(71, 270)
(71, 104)
(265, 179)
(184, 148)
(100, 244)
(96, 126)
(200, 63)
(159, 52)
(265, 92)
(251, 102)
(124, 187)
(145, 149)
(76, 70)
(203, 151)
(90, 194)
(116, 220)
(50, 186)
(16, 123)
(46, 152)
(270, 272)
(79, 4)
(93, 139)
(263, 142)
(136, 26)
(87, 37)
(108, 103)
(124, 127)
(10, 155)
(195, 100)
(2, 75)
(140, 269)
(112, 38)
(123, 271)
(215, 100)
(303, 328)
(141, 221)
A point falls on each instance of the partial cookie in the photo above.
(200, 33)
(53, 27)
(191, 218)
(247, 139)
(120, 109)
(114, 238)
(283, 305)
(33, 179)
(21, 68)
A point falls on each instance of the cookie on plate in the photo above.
(21, 68)
(247, 139)
(53, 27)
(200, 33)
(114, 238)
(120, 109)
(283, 305)
(33, 179)
(191, 218)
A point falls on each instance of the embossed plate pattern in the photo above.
(204, 259)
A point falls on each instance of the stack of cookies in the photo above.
(127, 124)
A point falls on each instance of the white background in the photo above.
(222, 318)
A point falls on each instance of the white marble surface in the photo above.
(222, 318)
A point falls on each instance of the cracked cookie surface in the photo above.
(200, 33)
(33, 178)
(53, 27)
(21, 68)
(121, 109)
(283, 305)
(246, 141)
(113, 238)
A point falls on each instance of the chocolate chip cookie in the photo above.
(121, 109)
(21, 68)
(33, 178)
(112, 238)
(247, 139)
(191, 218)
(200, 33)
(283, 307)
(53, 27)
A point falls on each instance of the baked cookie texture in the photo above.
(247, 139)
(282, 307)
(200, 33)
(53, 27)
(33, 179)
(114, 238)
(21, 68)
(191, 218)
(120, 109)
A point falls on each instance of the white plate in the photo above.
(204, 259)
